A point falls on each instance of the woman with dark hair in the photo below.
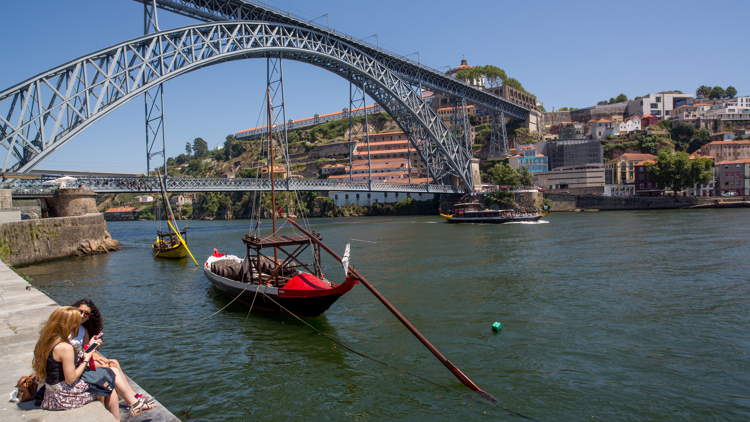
(92, 326)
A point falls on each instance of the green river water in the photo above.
(613, 316)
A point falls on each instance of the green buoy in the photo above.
(497, 326)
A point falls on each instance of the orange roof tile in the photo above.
(634, 156)
(744, 161)
(745, 142)
(120, 209)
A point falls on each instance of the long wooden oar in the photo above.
(448, 364)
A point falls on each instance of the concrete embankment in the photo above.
(566, 202)
(23, 310)
(30, 241)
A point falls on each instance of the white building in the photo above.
(630, 125)
(144, 198)
(658, 104)
(365, 199)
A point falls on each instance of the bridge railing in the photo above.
(144, 184)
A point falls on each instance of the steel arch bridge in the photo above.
(44, 112)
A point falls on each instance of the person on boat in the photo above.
(92, 326)
(55, 362)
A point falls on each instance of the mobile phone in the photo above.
(92, 348)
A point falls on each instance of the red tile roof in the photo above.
(120, 209)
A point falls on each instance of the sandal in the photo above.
(148, 400)
(141, 405)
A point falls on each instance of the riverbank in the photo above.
(567, 202)
(24, 309)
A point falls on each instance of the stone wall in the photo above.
(566, 202)
(30, 241)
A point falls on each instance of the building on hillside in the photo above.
(733, 177)
(603, 128)
(144, 199)
(332, 169)
(364, 199)
(529, 158)
(725, 150)
(120, 214)
(601, 111)
(572, 131)
(689, 113)
(388, 157)
(181, 200)
(660, 105)
(575, 180)
(729, 111)
(723, 136)
(574, 153)
(645, 183)
(649, 120)
(621, 170)
(629, 125)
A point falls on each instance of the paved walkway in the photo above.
(23, 310)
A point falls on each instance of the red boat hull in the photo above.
(308, 303)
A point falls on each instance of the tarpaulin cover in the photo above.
(306, 281)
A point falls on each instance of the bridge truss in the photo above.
(43, 113)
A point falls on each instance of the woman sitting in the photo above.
(54, 362)
(92, 325)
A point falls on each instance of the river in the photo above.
(607, 317)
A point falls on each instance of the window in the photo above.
(654, 105)
(658, 99)
(346, 196)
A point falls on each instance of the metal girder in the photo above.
(150, 184)
(45, 112)
(154, 99)
(239, 10)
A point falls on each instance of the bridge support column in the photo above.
(72, 202)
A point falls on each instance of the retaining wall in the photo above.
(567, 202)
(30, 241)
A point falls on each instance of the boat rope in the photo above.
(388, 365)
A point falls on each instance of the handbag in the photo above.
(27, 387)
(101, 381)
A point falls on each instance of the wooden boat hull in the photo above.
(178, 251)
(271, 299)
(493, 220)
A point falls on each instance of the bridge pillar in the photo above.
(476, 175)
(72, 202)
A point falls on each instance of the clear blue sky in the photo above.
(568, 53)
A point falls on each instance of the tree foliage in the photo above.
(730, 92)
(504, 175)
(676, 171)
(614, 100)
(200, 148)
(494, 76)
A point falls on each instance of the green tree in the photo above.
(188, 148)
(676, 171)
(200, 148)
(717, 92)
(504, 175)
(703, 91)
(700, 138)
(525, 177)
(232, 148)
(682, 134)
(731, 91)
(620, 98)
(514, 83)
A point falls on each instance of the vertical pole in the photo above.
(153, 98)
(504, 134)
(367, 139)
(351, 128)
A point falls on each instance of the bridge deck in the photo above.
(37, 188)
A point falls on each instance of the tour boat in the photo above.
(472, 212)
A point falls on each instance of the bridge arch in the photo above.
(43, 113)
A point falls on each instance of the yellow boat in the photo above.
(168, 245)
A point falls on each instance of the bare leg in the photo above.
(112, 404)
(122, 386)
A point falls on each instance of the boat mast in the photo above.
(271, 163)
(273, 180)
